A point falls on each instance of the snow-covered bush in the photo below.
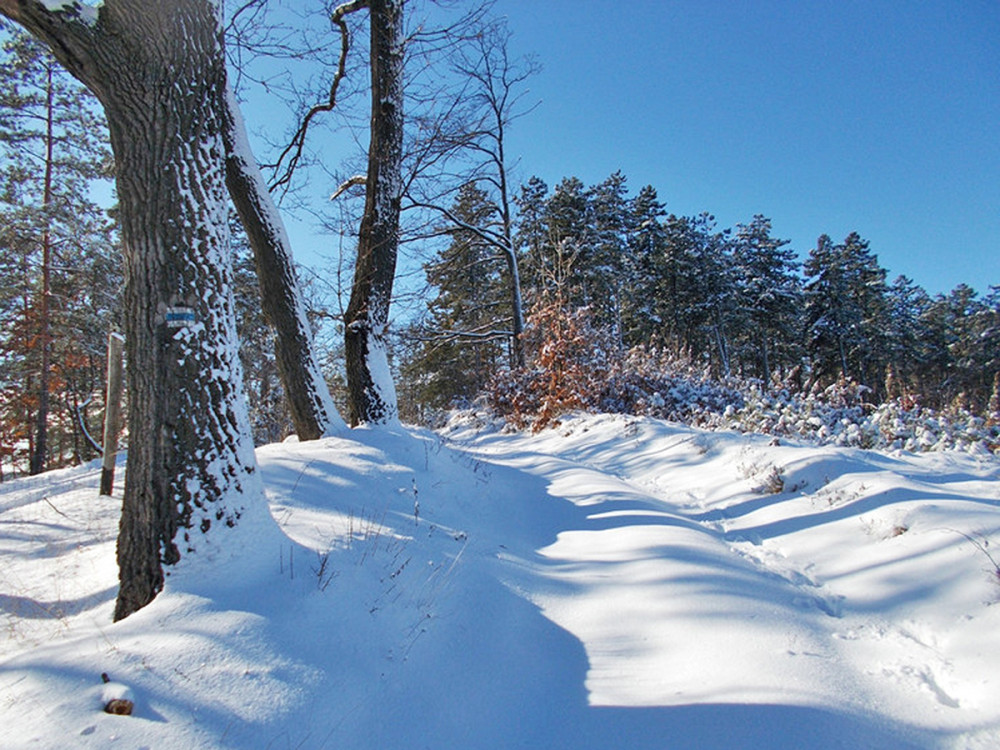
(573, 365)
(838, 415)
(569, 363)
(652, 382)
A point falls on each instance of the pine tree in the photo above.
(990, 340)
(532, 238)
(906, 306)
(960, 333)
(645, 246)
(568, 246)
(695, 299)
(574, 242)
(769, 297)
(845, 311)
(602, 266)
(467, 320)
(62, 280)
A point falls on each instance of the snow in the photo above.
(271, 218)
(613, 582)
(383, 385)
(86, 13)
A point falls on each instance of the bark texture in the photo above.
(306, 392)
(159, 72)
(371, 395)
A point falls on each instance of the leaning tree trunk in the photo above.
(159, 71)
(371, 394)
(308, 397)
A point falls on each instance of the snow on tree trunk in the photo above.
(371, 393)
(159, 71)
(309, 401)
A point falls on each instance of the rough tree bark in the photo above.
(312, 408)
(159, 72)
(371, 394)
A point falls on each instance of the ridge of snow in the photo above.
(615, 582)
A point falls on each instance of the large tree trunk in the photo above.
(308, 396)
(371, 394)
(159, 71)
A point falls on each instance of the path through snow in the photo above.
(610, 583)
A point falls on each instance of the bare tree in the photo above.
(473, 131)
(371, 393)
(312, 409)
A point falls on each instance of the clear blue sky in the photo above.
(827, 117)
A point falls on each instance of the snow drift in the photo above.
(614, 582)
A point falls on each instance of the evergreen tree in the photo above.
(717, 298)
(646, 242)
(532, 238)
(989, 337)
(960, 334)
(845, 311)
(467, 321)
(567, 247)
(695, 299)
(769, 298)
(601, 269)
(61, 276)
(906, 306)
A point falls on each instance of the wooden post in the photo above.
(112, 412)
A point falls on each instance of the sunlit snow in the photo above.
(613, 582)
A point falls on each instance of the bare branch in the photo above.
(494, 239)
(293, 152)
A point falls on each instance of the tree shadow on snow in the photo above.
(486, 668)
(494, 672)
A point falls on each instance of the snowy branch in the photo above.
(355, 181)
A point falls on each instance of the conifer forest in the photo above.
(527, 300)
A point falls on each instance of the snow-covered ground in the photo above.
(613, 582)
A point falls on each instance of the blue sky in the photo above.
(827, 117)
